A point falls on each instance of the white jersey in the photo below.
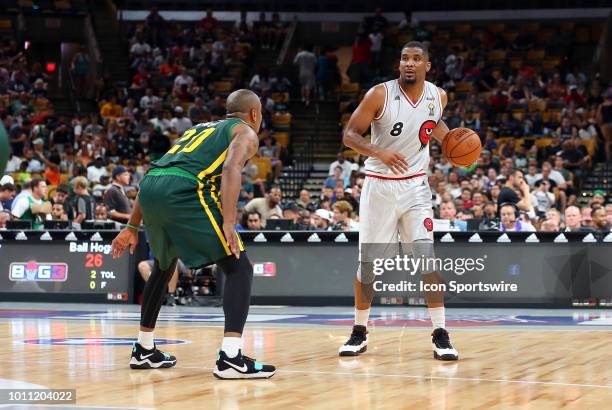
(405, 127)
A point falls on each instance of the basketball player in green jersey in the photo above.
(188, 204)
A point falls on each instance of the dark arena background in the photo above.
(93, 92)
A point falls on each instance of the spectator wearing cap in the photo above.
(321, 219)
(600, 222)
(115, 198)
(292, 211)
(267, 206)
(510, 221)
(96, 170)
(180, 123)
(599, 197)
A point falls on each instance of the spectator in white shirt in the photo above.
(140, 48)
(180, 123)
(148, 100)
(342, 163)
(549, 172)
(542, 198)
(96, 170)
(376, 38)
(160, 122)
(183, 78)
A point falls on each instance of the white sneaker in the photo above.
(441, 345)
(357, 343)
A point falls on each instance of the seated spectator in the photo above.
(510, 222)
(253, 221)
(266, 206)
(342, 163)
(573, 220)
(197, 113)
(541, 198)
(600, 222)
(342, 221)
(304, 200)
(272, 152)
(58, 213)
(449, 212)
(321, 219)
(96, 170)
(7, 193)
(549, 225)
(180, 123)
(111, 109)
(4, 218)
(335, 180)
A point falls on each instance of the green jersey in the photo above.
(201, 150)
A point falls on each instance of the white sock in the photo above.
(145, 339)
(361, 317)
(438, 318)
(231, 345)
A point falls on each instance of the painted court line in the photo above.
(332, 373)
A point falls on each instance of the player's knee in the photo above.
(365, 273)
(144, 269)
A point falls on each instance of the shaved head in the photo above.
(242, 102)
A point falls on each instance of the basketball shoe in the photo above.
(241, 367)
(357, 343)
(442, 348)
(150, 359)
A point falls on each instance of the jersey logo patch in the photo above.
(425, 132)
(428, 223)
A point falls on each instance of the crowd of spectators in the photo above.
(180, 74)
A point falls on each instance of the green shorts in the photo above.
(182, 219)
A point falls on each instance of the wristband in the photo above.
(134, 227)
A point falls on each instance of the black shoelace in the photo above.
(356, 338)
(443, 341)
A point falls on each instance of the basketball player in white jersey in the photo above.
(396, 201)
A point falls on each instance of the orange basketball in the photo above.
(461, 147)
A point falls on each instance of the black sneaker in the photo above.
(241, 367)
(357, 343)
(442, 348)
(150, 359)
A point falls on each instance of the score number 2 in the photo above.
(194, 140)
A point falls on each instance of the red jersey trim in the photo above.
(396, 179)
(385, 105)
(414, 105)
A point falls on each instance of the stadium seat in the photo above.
(223, 87)
(280, 97)
(62, 5)
(496, 28)
(567, 26)
(590, 145)
(463, 87)
(519, 114)
(551, 64)
(281, 121)
(25, 3)
(496, 56)
(510, 36)
(516, 63)
(582, 35)
(6, 25)
(264, 166)
(543, 142)
(539, 105)
(350, 89)
(463, 28)
(536, 55)
(282, 139)
(532, 26)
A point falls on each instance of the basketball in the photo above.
(461, 147)
(4, 148)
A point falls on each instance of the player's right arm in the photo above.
(371, 106)
(244, 145)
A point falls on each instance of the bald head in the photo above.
(242, 102)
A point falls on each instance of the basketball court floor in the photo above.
(509, 358)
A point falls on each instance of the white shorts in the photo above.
(395, 211)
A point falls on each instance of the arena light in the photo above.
(51, 66)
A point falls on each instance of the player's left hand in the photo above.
(127, 238)
(229, 231)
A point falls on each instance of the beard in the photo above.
(410, 81)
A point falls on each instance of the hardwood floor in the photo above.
(498, 368)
